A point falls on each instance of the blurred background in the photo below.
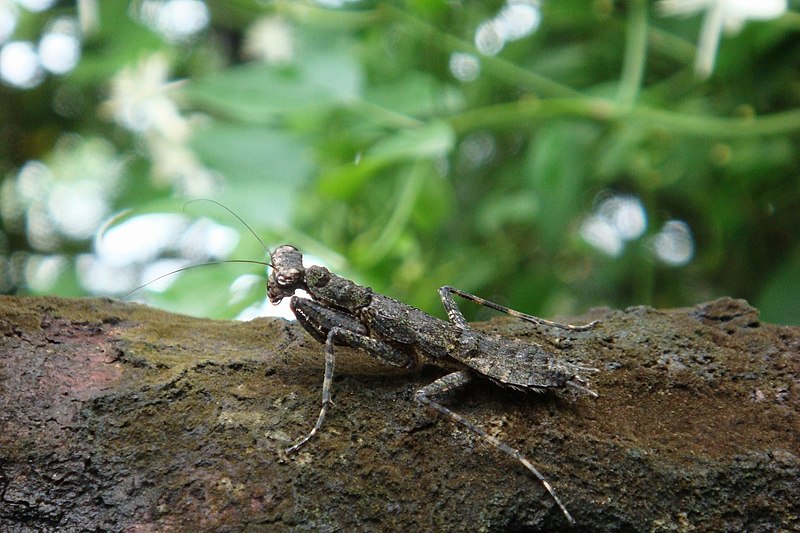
(547, 155)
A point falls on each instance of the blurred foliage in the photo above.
(345, 132)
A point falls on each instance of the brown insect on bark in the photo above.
(341, 312)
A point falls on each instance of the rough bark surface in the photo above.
(118, 417)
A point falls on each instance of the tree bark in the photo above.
(118, 417)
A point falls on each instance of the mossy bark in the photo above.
(118, 417)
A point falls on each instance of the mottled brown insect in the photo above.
(340, 312)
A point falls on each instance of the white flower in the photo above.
(140, 100)
(728, 14)
(270, 39)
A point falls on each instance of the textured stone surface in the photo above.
(117, 417)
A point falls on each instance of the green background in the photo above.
(365, 150)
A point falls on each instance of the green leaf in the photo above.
(558, 168)
(432, 140)
(206, 292)
(417, 95)
(258, 93)
(263, 168)
(780, 298)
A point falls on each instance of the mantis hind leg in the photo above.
(457, 380)
(447, 292)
